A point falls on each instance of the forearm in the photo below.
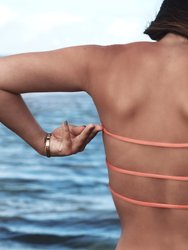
(15, 115)
(54, 71)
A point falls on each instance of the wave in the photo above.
(73, 241)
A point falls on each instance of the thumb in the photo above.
(66, 140)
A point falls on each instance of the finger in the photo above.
(99, 127)
(83, 143)
(76, 130)
(85, 133)
(92, 135)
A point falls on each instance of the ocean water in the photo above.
(61, 202)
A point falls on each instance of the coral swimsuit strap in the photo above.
(146, 203)
(142, 174)
(143, 142)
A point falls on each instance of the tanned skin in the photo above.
(140, 91)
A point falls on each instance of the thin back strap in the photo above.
(143, 142)
(145, 203)
(141, 174)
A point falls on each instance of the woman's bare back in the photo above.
(141, 91)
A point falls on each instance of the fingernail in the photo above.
(99, 127)
(66, 122)
(92, 126)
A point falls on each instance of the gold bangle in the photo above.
(47, 144)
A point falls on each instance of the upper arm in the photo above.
(64, 69)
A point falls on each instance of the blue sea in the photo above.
(60, 202)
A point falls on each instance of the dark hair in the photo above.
(172, 18)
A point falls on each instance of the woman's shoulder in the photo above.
(132, 47)
(131, 44)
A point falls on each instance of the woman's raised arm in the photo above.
(64, 70)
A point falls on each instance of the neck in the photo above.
(173, 39)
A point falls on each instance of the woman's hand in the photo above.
(69, 139)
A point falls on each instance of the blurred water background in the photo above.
(57, 203)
